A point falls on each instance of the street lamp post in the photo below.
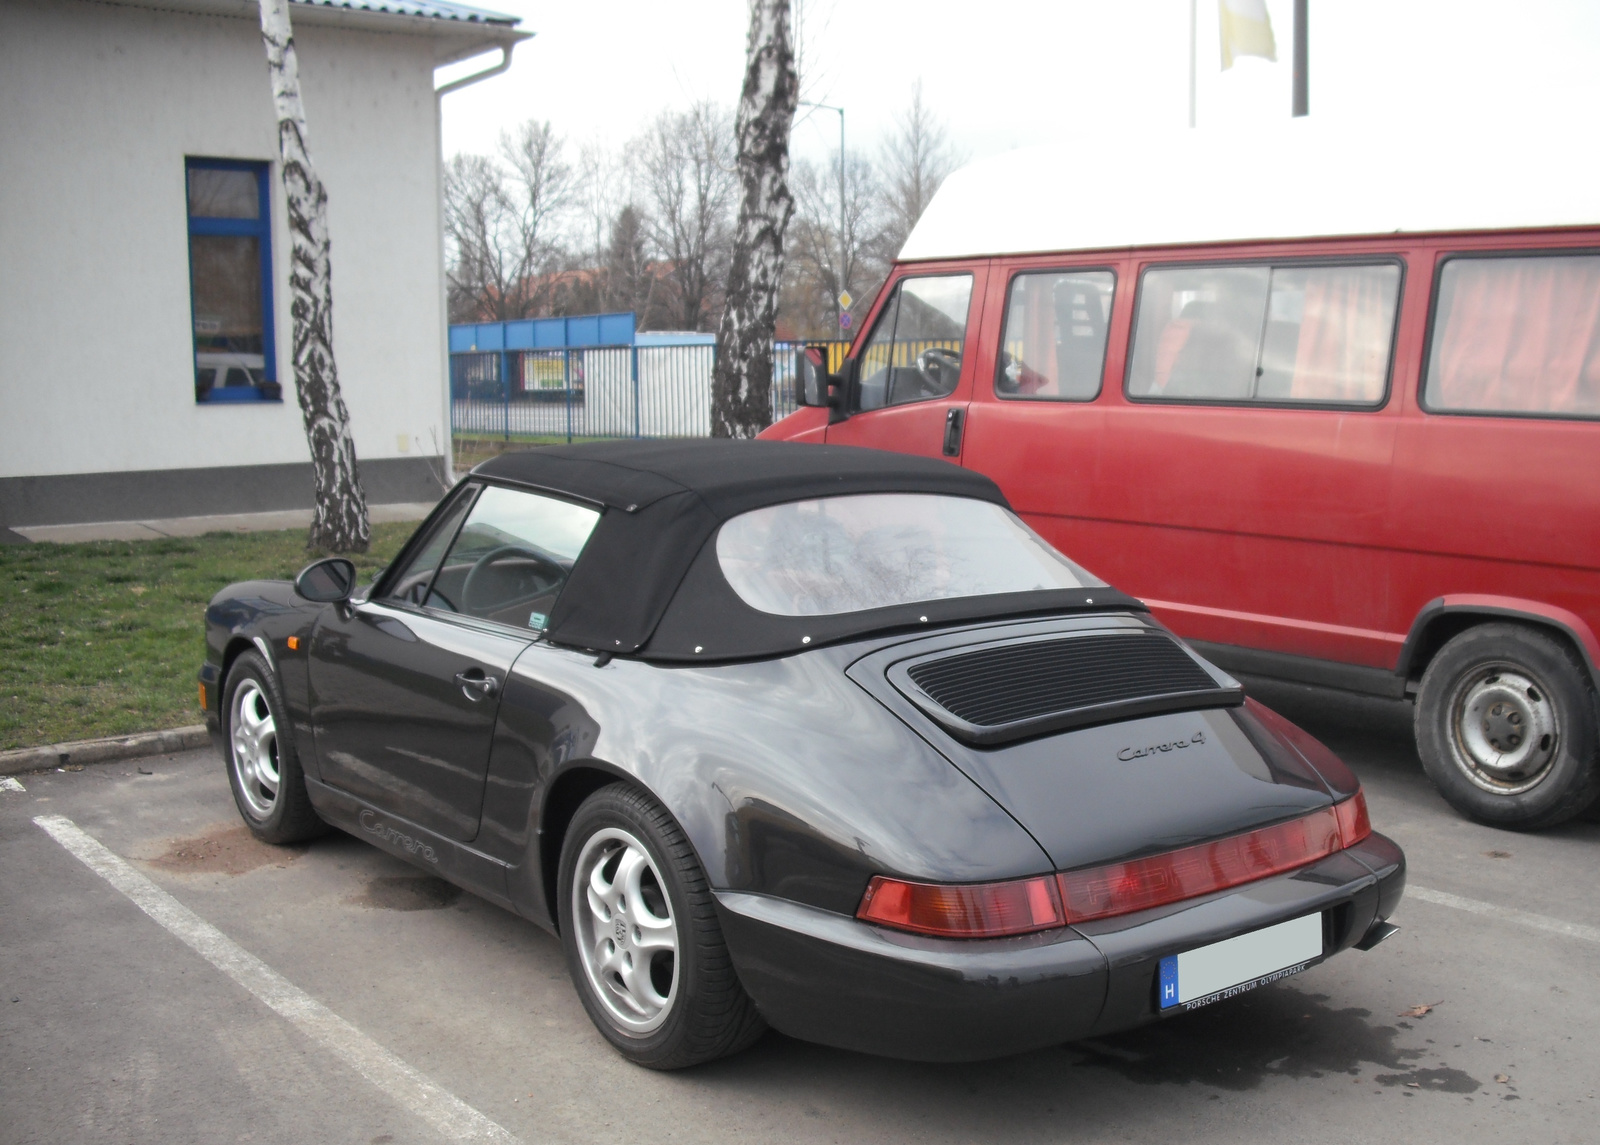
(844, 255)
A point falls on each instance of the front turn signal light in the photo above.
(974, 910)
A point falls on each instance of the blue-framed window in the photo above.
(230, 281)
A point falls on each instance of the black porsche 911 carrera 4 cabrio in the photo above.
(805, 736)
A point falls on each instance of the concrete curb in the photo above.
(107, 750)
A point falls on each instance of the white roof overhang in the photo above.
(454, 38)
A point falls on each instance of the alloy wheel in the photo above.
(626, 935)
(255, 749)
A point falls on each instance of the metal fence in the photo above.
(602, 391)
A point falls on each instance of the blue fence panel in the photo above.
(594, 390)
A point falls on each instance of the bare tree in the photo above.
(815, 247)
(339, 521)
(741, 391)
(916, 158)
(502, 224)
(686, 163)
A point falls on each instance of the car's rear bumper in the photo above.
(826, 978)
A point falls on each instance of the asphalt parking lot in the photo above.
(388, 990)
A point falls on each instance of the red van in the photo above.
(1362, 452)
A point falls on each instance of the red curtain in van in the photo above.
(1520, 335)
(1039, 375)
(1343, 350)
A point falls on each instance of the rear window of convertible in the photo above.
(834, 555)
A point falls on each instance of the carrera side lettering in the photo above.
(372, 825)
(1129, 753)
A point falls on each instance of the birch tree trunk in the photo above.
(741, 391)
(339, 522)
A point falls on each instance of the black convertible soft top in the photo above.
(648, 581)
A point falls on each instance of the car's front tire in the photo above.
(263, 769)
(1506, 727)
(640, 932)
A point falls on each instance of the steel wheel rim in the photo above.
(626, 935)
(255, 749)
(1504, 735)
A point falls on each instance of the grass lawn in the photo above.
(471, 448)
(105, 638)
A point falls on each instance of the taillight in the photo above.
(1354, 823)
(980, 910)
(1020, 906)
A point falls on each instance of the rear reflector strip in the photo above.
(1021, 906)
(1139, 884)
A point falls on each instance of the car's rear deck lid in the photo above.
(1007, 690)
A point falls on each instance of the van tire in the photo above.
(1506, 727)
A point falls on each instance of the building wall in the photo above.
(102, 104)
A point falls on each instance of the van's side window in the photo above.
(914, 353)
(1275, 334)
(1054, 343)
(1517, 335)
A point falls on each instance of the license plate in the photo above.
(1197, 978)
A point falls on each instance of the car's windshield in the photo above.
(845, 554)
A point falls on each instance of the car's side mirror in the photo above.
(811, 377)
(328, 581)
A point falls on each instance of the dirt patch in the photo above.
(226, 850)
(407, 892)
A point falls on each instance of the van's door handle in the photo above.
(476, 685)
(952, 431)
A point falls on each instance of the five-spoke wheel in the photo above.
(263, 769)
(255, 749)
(626, 934)
(639, 926)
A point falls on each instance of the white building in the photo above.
(145, 334)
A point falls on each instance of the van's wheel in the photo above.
(1506, 727)
(641, 936)
(263, 769)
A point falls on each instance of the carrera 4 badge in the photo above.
(1129, 753)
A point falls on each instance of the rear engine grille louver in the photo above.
(1006, 692)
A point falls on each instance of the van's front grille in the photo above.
(1007, 691)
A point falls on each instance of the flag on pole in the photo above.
(1246, 30)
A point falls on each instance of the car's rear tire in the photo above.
(641, 936)
(1506, 727)
(263, 770)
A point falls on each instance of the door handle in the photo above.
(952, 431)
(475, 684)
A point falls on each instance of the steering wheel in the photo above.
(940, 367)
(476, 579)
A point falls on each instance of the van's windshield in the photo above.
(834, 555)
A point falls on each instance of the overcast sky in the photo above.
(1005, 73)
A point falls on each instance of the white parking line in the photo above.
(448, 1114)
(1506, 914)
(9, 784)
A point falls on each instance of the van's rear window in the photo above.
(832, 555)
(1272, 334)
(1517, 335)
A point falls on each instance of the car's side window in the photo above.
(512, 557)
(411, 586)
(914, 352)
(1054, 344)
